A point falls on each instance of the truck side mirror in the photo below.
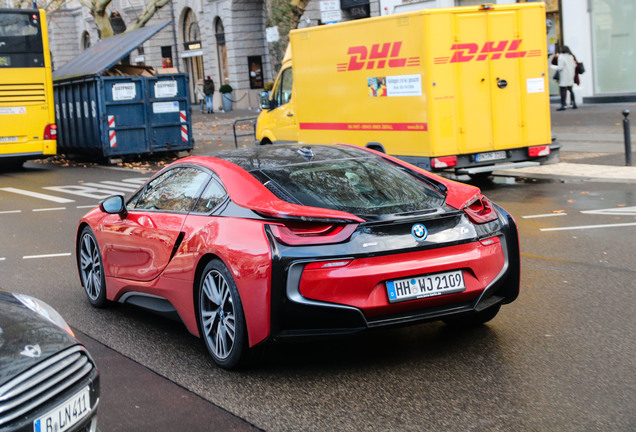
(266, 104)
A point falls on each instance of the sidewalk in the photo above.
(591, 137)
(593, 146)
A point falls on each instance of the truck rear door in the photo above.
(495, 75)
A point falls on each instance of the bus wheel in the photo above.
(11, 164)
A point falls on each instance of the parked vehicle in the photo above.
(277, 242)
(27, 118)
(48, 381)
(462, 89)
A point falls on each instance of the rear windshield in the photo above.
(362, 186)
(20, 39)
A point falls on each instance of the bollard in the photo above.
(628, 139)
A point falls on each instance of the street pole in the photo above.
(628, 139)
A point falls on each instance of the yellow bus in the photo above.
(27, 116)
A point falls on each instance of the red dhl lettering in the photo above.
(495, 50)
(378, 56)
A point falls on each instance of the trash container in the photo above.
(105, 109)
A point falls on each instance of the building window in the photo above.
(166, 57)
(86, 41)
(219, 32)
(613, 40)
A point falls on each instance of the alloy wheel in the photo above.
(91, 267)
(218, 316)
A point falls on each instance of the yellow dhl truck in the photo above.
(461, 88)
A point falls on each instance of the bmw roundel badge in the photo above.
(419, 231)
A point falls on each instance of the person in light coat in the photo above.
(566, 65)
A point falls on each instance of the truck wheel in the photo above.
(265, 141)
(480, 177)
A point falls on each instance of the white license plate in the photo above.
(425, 286)
(485, 157)
(8, 139)
(66, 415)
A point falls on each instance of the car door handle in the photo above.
(290, 114)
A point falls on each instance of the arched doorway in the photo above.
(221, 49)
(193, 53)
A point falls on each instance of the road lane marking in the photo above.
(136, 180)
(543, 215)
(614, 211)
(111, 188)
(38, 195)
(2, 259)
(86, 206)
(119, 185)
(49, 209)
(10, 211)
(47, 256)
(584, 227)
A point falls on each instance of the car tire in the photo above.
(91, 268)
(474, 319)
(221, 318)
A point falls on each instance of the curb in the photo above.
(577, 172)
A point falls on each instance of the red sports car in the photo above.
(275, 242)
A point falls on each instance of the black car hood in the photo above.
(22, 331)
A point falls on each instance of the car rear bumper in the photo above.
(315, 309)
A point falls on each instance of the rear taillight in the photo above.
(444, 161)
(302, 234)
(481, 210)
(50, 132)
(538, 151)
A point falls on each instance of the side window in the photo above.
(284, 90)
(212, 196)
(174, 190)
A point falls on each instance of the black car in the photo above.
(48, 381)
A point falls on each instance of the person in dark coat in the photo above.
(208, 90)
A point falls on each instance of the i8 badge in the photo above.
(419, 231)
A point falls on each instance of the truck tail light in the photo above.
(303, 234)
(481, 210)
(50, 131)
(537, 151)
(444, 162)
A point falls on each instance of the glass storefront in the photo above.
(614, 45)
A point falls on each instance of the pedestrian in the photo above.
(198, 91)
(566, 68)
(208, 90)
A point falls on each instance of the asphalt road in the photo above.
(559, 358)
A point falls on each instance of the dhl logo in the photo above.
(466, 52)
(379, 56)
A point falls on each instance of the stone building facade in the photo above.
(223, 39)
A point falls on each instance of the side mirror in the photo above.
(114, 205)
(265, 102)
